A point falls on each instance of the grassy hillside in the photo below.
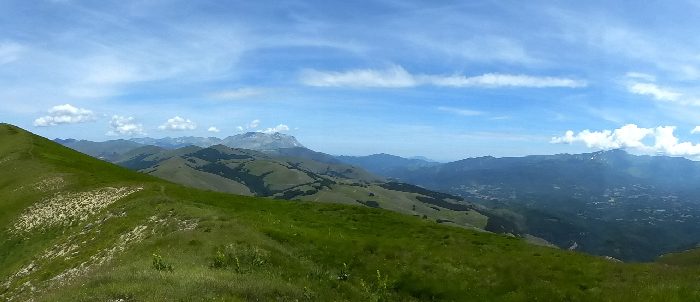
(281, 175)
(685, 258)
(74, 228)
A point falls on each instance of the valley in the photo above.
(611, 203)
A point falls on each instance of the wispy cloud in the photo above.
(9, 52)
(250, 126)
(640, 76)
(237, 94)
(392, 77)
(484, 49)
(460, 111)
(65, 114)
(645, 85)
(495, 80)
(397, 77)
(653, 90)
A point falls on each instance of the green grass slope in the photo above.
(685, 258)
(74, 228)
(252, 173)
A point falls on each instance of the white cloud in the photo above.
(655, 91)
(65, 114)
(278, 128)
(640, 76)
(123, 125)
(493, 80)
(179, 124)
(597, 140)
(643, 84)
(213, 129)
(237, 94)
(631, 137)
(397, 77)
(252, 125)
(392, 77)
(695, 130)
(459, 111)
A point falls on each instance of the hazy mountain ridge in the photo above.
(284, 176)
(387, 164)
(607, 203)
(249, 140)
(297, 173)
(107, 150)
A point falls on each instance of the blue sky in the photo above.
(442, 79)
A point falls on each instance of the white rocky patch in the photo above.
(135, 235)
(49, 184)
(71, 247)
(45, 185)
(66, 208)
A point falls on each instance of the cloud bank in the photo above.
(661, 139)
(397, 77)
(65, 114)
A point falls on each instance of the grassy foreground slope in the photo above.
(74, 228)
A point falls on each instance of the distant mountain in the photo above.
(178, 142)
(108, 150)
(386, 164)
(301, 152)
(423, 158)
(250, 140)
(293, 173)
(261, 141)
(607, 203)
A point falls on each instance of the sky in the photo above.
(442, 79)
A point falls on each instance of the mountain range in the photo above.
(249, 140)
(75, 228)
(608, 203)
(287, 173)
